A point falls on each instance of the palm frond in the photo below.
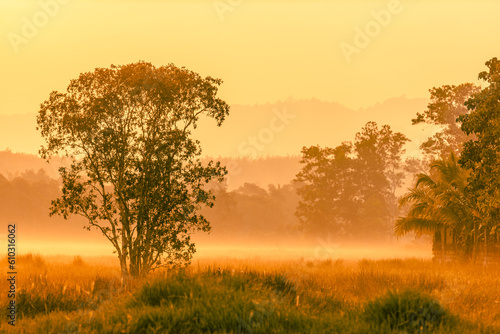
(405, 225)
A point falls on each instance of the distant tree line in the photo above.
(252, 213)
(136, 174)
(25, 200)
(350, 189)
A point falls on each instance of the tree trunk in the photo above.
(485, 244)
(443, 239)
(474, 248)
(124, 270)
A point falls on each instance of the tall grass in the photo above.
(238, 296)
(44, 287)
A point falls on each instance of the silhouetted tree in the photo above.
(380, 171)
(24, 199)
(482, 154)
(447, 104)
(350, 190)
(252, 213)
(135, 173)
(439, 200)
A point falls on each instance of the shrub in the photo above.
(408, 310)
(280, 284)
(32, 260)
(78, 261)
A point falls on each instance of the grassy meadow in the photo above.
(216, 295)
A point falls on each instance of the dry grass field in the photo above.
(221, 295)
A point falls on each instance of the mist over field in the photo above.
(234, 140)
(248, 162)
(255, 229)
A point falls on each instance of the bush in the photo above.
(280, 284)
(408, 310)
(32, 260)
(78, 261)
(44, 296)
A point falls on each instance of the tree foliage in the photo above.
(135, 173)
(438, 200)
(482, 154)
(447, 104)
(350, 189)
(463, 193)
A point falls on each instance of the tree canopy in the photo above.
(438, 200)
(461, 193)
(482, 154)
(135, 173)
(350, 190)
(447, 104)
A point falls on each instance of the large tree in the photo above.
(326, 188)
(482, 154)
(350, 189)
(135, 173)
(379, 173)
(447, 104)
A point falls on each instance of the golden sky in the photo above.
(357, 53)
(264, 51)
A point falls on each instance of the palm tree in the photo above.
(438, 201)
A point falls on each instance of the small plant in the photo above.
(78, 261)
(280, 284)
(32, 260)
(408, 310)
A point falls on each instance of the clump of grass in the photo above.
(103, 288)
(280, 284)
(409, 310)
(264, 297)
(44, 287)
(32, 260)
(44, 296)
(78, 261)
(31, 303)
(214, 301)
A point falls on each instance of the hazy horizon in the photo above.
(319, 122)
